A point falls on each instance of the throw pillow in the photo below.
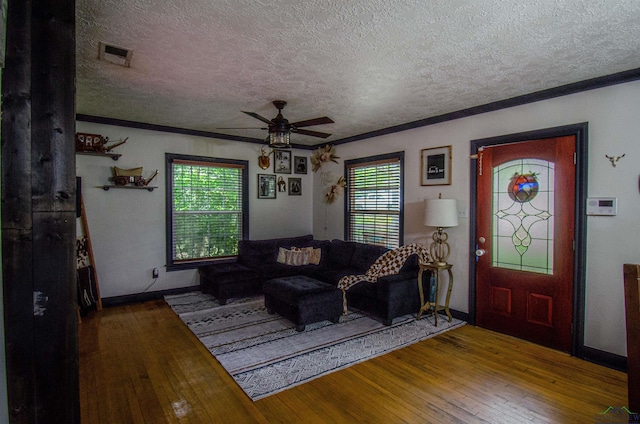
(314, 255)
(281, 255)
(296, 257)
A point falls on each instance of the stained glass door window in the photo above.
(523, 224)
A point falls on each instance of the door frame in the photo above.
(581, 133)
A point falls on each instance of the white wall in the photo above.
(614, 129)
(127, 227)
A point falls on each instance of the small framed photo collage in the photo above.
(283, 163)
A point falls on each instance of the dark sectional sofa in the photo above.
(388, 298)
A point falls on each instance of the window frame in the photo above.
(170, 158)
(384, 158)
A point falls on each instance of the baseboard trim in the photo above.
(459, 315)
(607, 359)
(108, 302)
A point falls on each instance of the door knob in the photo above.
(482, 240)
(480, 252)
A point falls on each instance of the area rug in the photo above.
(265, 354)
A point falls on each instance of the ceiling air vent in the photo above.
(118, 55)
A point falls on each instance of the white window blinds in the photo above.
(374, 202)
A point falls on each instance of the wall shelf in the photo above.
(113, 156)
(107, 187)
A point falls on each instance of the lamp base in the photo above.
(439, 249)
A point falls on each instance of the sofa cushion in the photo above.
(289, 242)
(364, 255)
(330, 275)
(255, 253)
(276, 270)
(363, 289)
(395, 287)
(411, 264)
(324, 246)
(340, 253)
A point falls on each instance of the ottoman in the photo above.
(225, 281)
(302, 300)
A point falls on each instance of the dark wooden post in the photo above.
(16, 214)
(632, 308)
(38, 212)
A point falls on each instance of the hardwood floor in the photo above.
(140, 364)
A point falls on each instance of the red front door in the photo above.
(525, 237)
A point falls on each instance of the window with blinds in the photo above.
(374, 201)
(206, 209)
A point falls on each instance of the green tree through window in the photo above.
(206, 209)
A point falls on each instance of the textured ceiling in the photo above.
(367, 64)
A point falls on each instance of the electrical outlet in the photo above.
(156, 272)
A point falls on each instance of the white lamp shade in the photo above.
(440, 212)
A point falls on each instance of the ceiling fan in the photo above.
(280, 128)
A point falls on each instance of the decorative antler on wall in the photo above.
(614, 159)
(263, 159)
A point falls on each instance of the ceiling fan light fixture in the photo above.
(279, 139)
(280, 129)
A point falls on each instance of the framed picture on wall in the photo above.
(282, 185)
(281, 161)
(295, 186)
(299, 164)
(435, 166)
(266, 186)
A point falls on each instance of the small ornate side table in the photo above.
(428, 305)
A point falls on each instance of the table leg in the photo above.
(421, 291)
(446, 304)
(435, 307)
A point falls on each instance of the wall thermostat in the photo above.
(607, 206)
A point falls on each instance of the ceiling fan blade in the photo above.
(310, 122)
(255, 115)
(242, 128)
(311, 133)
